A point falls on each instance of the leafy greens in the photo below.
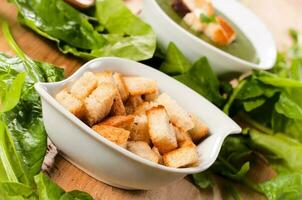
(270, 104)
(22, 134)
(112, 31)
(198, 76)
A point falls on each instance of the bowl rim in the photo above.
(210, 47)
(41, 88)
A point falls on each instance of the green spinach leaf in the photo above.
(22, 134)
(284, 186)
(202, 79)
(13, 94)
(175, 62)
(123, 34)
(48, 190)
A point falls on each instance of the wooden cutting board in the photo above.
(278, 15)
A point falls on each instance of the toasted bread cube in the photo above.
(125, 122)
(150, 97)
(181, 157)
(120, 83)
(104, 77)
(192, 19)
(178, 116)
(140, 85)
(99, 103)
(140, 131)
(160, 158)
(117, 135)
(142, 108)
(118, 107)
(161, 133)
(221, 33)
(72, 104)
(183, 138)
(200, 129)
(143, 150)
(84, 85)
(132, 103)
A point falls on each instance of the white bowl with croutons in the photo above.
(137, 129)
(167, 30)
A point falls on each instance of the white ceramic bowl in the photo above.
(111, 163)
(193, 47)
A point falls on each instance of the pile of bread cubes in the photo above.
(130, 112)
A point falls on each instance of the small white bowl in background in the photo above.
(113, 164)
(193, 47)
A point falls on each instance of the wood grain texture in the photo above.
(278, 15)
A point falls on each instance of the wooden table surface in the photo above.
(278, 15)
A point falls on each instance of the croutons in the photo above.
(84, 85)
(74, 105)
(98, 104)
(192, 20)
(118, 107)
(181, 157)
(140, 85)
(117, 135)
(160, 158)
(153, 127)
(143, 150)
(132, 103)
(139, 130)
(178, 116)
(120, 83)
(221, 32)
(150, 97)
(125, 122)
(199, 131)
(142, 108)
(104, 77)
(161, 132)
(217, 29)
(183, 138)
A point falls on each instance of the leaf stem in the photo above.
(28, 63)
(255, 124)
(8, 36)
(233, 96)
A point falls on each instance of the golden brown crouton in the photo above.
(117, 135)
(181, 157)
(193, 21)
(160, 158)
(84, 85)
(104, 77)
(125, 122)
(178, 116)
(143, 150)
(199, 131)
(120, 83)
(183, 138)
(140, 131)
(118, 107)
(72, 104)
(161, 133)
(98, 104)
(221, 33)
(151, 96)
(132, 103)
(142, 108)
(140, 85)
